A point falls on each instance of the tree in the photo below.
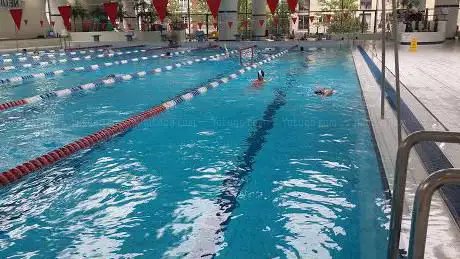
(344, 19)
(78, 11)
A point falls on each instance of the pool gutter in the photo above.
(443, 236)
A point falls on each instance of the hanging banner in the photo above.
(53, 23)
(261, 22)
(215, 25)
(328, 18)
(230, 24)
(292, 5)
(214, 7)
(111, 9)
(160, 6)
(294, 19)
(200, 24)
(276, 20)
(41, 23)
(17, 17)
(129, 26)
(65, 12)
(245, 24)
(272, 4)
(312, 18)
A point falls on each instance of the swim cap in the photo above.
(260, 73)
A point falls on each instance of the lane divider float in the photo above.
(20, 171)
(89, 68)
(101, 82)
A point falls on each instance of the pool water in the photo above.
(240, 172)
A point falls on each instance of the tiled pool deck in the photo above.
(443, 235)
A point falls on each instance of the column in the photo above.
(228, 20)
(259, 16)
(447, 10)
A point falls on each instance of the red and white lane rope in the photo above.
(56, 155)
(103, 82)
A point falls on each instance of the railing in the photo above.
(399, 187)
(421, 210)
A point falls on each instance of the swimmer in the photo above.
(325, 92)
(36, 52)
(24, 51)
(167, 55)
(260, 79)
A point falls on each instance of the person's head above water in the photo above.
(168, 53)
(260, 75)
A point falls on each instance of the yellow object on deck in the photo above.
(413, 45)
(214, 34)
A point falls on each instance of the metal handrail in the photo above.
(400, 177)
(421, 211)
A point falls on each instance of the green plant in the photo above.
(78, 11)
(343, 19)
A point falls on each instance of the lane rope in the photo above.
(89, 68)
(86, 58)
(16, 173)
(102, 82)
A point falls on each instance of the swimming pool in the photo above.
(239, 172)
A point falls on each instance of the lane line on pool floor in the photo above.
(104, 81)
(20, 79)
(14, 174)
(52, 61)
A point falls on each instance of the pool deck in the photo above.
(443, 234)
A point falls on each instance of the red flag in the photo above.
(200, 24)
(160, 6)
(17, 17)
(245, 24)
(26, 21)
(111, 9)
(272, 4)
(41, 23)
(294, 19)
(276, 20)
(66, 12)
(312, 18)
(53, 23)
(230, 24)
(215, 25)
(261, 23)
(214, 7)
(292, 5)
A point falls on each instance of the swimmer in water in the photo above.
(167, 55)
(324, 92)
(260, 79)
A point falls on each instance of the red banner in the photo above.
(66, 12)
(129, 26)
(294, 19)
(41, 23)
(17, 17)
(276, 20)
(214, 7)
(230, 24)
(160, 6)
(272, 4)
(215, 25)
(53, 23)
(261, 22)
(292, 5)
(111, 9)
(200, 24)
(312, 18)
(245, 24)
(328, 18)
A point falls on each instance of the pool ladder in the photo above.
(423, 194)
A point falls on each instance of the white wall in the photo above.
(33, 11)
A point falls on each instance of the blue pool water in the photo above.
(240, 172)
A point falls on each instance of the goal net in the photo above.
(247, 55)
